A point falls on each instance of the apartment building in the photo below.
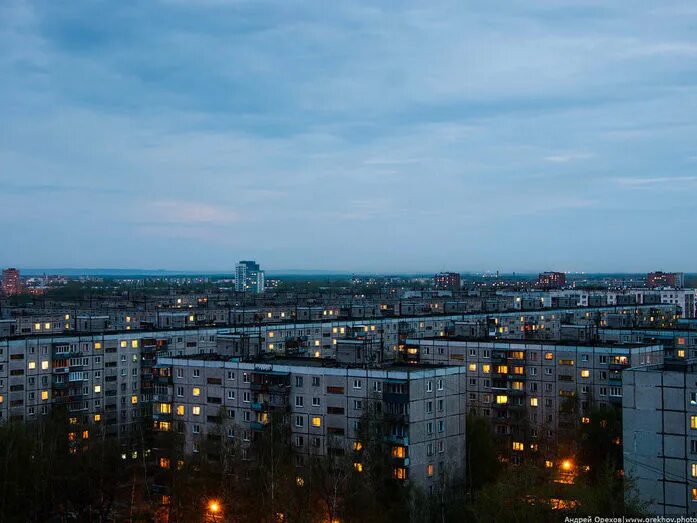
(535, 392)
(322, 403)
(660, 436)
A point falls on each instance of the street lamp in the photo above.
(214, 510)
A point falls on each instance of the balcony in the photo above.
(259, 406)
(395, 397)
(257, 426)
(397, 440)
(162, 380)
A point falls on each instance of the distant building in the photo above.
(249, 277)
(675, 280)
(447, 280)
(550, 280)
(10, 282)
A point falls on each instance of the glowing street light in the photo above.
(567, 465)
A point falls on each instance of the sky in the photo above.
(373, 136)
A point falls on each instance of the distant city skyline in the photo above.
(392, 138)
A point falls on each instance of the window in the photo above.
(315, 402)
(357, 384)
(693, 398)
(693, 470)
(441, 426)
(180, 391)
(501, 399)
(231, 394)
(473, 367)
(97, 389)
(315, 381)
(429, 407)
(549, 355)
(44, 365)
(518, 446)
(298, 381)
(299, 401)
(357, 404)
(440, 384)
(429, 470)
(316, 421)
(181, 410)
(246, 397)
(585, 373)
(429, 386)
(486, 368)
(196, 429)
(44, 395)
(534, 402)
(134, 400)
(429, 427)
(196, 410)
(196, 391)
(299, 421)
(197, 373)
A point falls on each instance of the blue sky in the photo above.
(360, 136)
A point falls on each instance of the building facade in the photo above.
(249, 277)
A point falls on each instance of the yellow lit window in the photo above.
(299, 481)
(317, 354)
(518, 446)
(486, 368)
(196, 391)
(180, 410)
(518, 370)
(71, 436)
(97, 418)
(271, 334)
(2, 398)
(32, 365)
(134, 400)
(164, 426)
(399, 452)
(191, 318)
(357, 445)
(549, 355)
(334, 330)
(196, 410)
(128, 319)
(473, 367)
(681, 353)
(85, 434)
(316, 421)
(502, 369)
(694, 494)
(517, 355)
(549, 464)
(585, 420)
(67, 316)
(399, 473)
(693, 422)
(164, 463)
(165, 408)
(585, 373)
(533, 402)
(47, 325)
(44, 395)
(72, 421)
(501, 399)
(517, 385)
(97, 345)
(44, 365)
(317, 343)
(37, 326)
(97, 389)
(358, 467)
(693, 470)
(134, 344)
(124, 344)
(429, 470)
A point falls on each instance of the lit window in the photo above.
(518, 446)
(2, 398)
(585, 373)
(486, 368)
(191, 318)
(694, 494)
(681, 353)
(134, 400)
(85, 434)
(549, 464)
(533, 402)
(270, 346)
(399, 452)
(165, 408)
(196, 391)
(44, 365)
(134, 344)
(32, 365)
(586, 420)
(164, 463)
(47, 325)
(693, 470)
(502, 369)
(693, 422)
(429, 470)
(124, 344)
(180, 410)
(358, 467)
(316, 421)
(196, 410)
(37, 326)
(473, 367)
(97, 418)
(97, 345)
(44, 395)
(501, 399)
(97, 389)
(399, 473)
(549, 356)
(271, 334)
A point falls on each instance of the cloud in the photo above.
(567, 157)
